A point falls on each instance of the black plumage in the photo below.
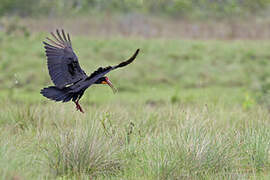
(65, 71)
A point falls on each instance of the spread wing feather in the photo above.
(100, 72)
(63, 65)
(127, 62)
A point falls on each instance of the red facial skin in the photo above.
(109, 83)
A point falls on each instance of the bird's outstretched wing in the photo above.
(100, 72)
(63, 64)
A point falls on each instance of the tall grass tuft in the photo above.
(191, 153)
(83, 151)
(255, 148)
(200, 152)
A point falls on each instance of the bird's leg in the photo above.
(78, 107)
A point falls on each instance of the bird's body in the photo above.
(64, 69)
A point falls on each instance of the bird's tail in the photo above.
(57, 94)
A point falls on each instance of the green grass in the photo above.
(184, 110)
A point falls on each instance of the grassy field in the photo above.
(185, 109)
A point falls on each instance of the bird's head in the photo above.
(105, 80)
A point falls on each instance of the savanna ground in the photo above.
(185, 109)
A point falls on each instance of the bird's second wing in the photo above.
(63, 65)
(100, 72)
(127, 62)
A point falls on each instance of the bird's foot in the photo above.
(78, 107)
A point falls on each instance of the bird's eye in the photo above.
(70, 58)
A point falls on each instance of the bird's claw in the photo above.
(78, 107)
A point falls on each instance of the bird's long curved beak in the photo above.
(111, 85)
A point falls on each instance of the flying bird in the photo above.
(68, 77)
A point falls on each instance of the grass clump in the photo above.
(256, 149)
(83, 151)
(201, 153)
(187, 152)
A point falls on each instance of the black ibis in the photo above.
(65, 71)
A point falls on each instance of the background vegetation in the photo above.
(175, 8)
(194, 105)
(189, 109)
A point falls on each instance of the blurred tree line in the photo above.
(176, 8)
